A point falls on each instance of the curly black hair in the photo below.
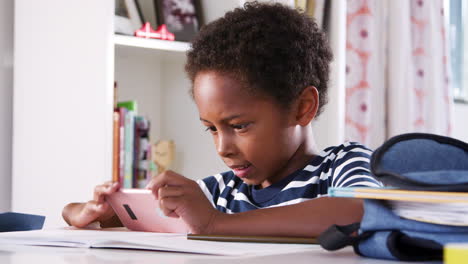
(272, 48)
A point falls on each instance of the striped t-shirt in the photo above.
(346, 165)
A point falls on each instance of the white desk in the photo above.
(56, 255)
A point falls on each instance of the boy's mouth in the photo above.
(241, 171)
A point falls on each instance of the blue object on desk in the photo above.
(414, 161)
(20, 222)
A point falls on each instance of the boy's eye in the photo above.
(211, 129)
(240, 126)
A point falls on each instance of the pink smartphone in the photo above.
(138, 210)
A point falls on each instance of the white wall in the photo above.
(213, 9)
(62, 106)
(6, 97)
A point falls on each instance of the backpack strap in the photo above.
(337, 237)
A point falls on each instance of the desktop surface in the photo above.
(12, 254)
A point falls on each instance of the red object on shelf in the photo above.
(146, 31)
(165, 34)
(161, 33)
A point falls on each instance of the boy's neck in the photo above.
(306, 151)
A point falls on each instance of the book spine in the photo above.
(136, 150)
(115, 146)
(141, 148)
(144, 167)
(123, 113)
(143, 178)
(129, 138)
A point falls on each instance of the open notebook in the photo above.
(115, 238)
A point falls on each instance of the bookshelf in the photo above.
(155, 79)
(155, 44)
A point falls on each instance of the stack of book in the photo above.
(444, 208)
(131, 146)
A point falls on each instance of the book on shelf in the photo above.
(129, 133)
(132, 147)
(122, 112)
(140, 159)
(115, 146)
(129, 105)
(445, 208)
(129, 141)
(115, 96)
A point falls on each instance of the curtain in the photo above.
(397, 76)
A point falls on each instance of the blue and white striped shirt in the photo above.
(346, 165)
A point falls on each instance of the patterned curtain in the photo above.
(396, 70)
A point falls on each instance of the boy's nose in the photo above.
(225, 145)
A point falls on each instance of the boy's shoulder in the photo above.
(346, 148)
(341, 153)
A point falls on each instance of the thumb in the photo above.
(92, 212)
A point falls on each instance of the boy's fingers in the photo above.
(160, 180)
(106, 189)
(167, 178)
(169, 205)
(173, 215)
(96, 208)
(90, 213)
(170, 191)
(169, 213)
(108, 183)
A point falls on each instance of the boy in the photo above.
(259, 78)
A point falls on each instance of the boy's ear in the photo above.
(307, 105)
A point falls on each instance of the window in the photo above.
(457, 18)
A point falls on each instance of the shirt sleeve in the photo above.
(351, 167)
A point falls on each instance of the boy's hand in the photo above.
(182, 197)
(81, 215)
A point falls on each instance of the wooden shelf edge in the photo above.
(156, 44)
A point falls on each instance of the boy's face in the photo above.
(254, 136)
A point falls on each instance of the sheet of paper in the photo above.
(455, 214)
(143, 240)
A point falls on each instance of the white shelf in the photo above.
(156, 44)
